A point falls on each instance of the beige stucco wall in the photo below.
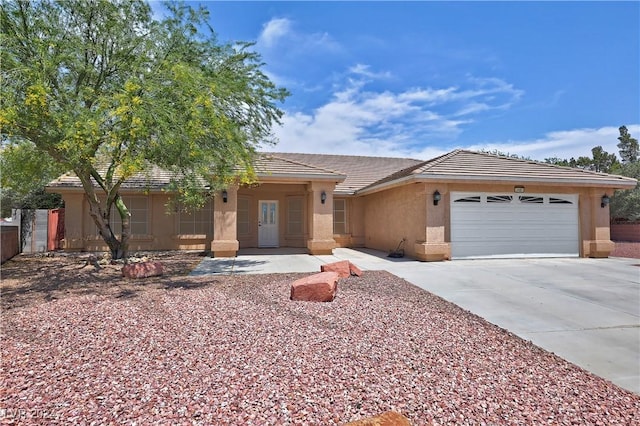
(162, 227)
(378, 220)
(391, 215)
(408, 211)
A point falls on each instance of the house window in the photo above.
(295, 216)
(243, 216)
(196, 222)
(339, 216)
(138, 208)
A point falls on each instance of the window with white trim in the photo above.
(196, 222)
(339, 216)
(295, 216)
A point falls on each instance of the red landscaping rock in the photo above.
(142, 270)
(390, 418)
(320, 287)
(355, 270)
(344, 268)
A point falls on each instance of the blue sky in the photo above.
(418, 79)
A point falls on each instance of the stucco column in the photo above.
(321, 218)
(225, 215)
(599, 242)
(73, 221)
(435, 247)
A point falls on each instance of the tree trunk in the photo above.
(102, 223)
(125, 217)
(101, 217)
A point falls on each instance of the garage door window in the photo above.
(475, 199)
(553, 200)
(499, 198)
(530, 199)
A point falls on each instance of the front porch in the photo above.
(274, 215)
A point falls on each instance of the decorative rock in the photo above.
(142, 270)
(344, 268)
(354, 270)
(390, 418)
(320, 287)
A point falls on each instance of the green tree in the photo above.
(102, 89)
(628, 146)
(625, 204)
(24, 172)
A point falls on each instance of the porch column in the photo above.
(435, 247)
(320, 218)
(225, 240)
(598, 242)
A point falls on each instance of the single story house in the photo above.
(462, 204)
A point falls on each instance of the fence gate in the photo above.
(55, 232)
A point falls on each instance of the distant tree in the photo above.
(505, 154)
(625, 205)
(629, 149)
(102, 89)
(602, 161)
(558, 161)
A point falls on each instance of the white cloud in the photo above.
(360, 121)
(563, 144)
(273, 31)
(280, 33)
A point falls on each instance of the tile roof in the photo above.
(277, 166)
(461, 165)
(360, 171)
(359, 174)
(154, 178)
(267, 167)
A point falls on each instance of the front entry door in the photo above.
(268, 224)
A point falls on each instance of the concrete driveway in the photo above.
(586, 311)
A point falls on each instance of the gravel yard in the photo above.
(626, 249)
(235, 350)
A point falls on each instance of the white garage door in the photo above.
(513, 225)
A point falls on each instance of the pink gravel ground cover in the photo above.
(236, 350)
(626, 249)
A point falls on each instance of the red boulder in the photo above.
(344, 268)
(320, 287)
(142, 270)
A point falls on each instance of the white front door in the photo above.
(268, 223)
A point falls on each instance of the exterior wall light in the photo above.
(436, 197)
(323, 197)
(225, 196)
(605, 200)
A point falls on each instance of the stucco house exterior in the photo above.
(463, 204)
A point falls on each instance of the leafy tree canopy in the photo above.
(24, 172)
(102, 89)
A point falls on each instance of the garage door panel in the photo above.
(528, 225)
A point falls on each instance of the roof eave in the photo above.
(622, 183)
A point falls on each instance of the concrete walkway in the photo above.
(585, 310)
